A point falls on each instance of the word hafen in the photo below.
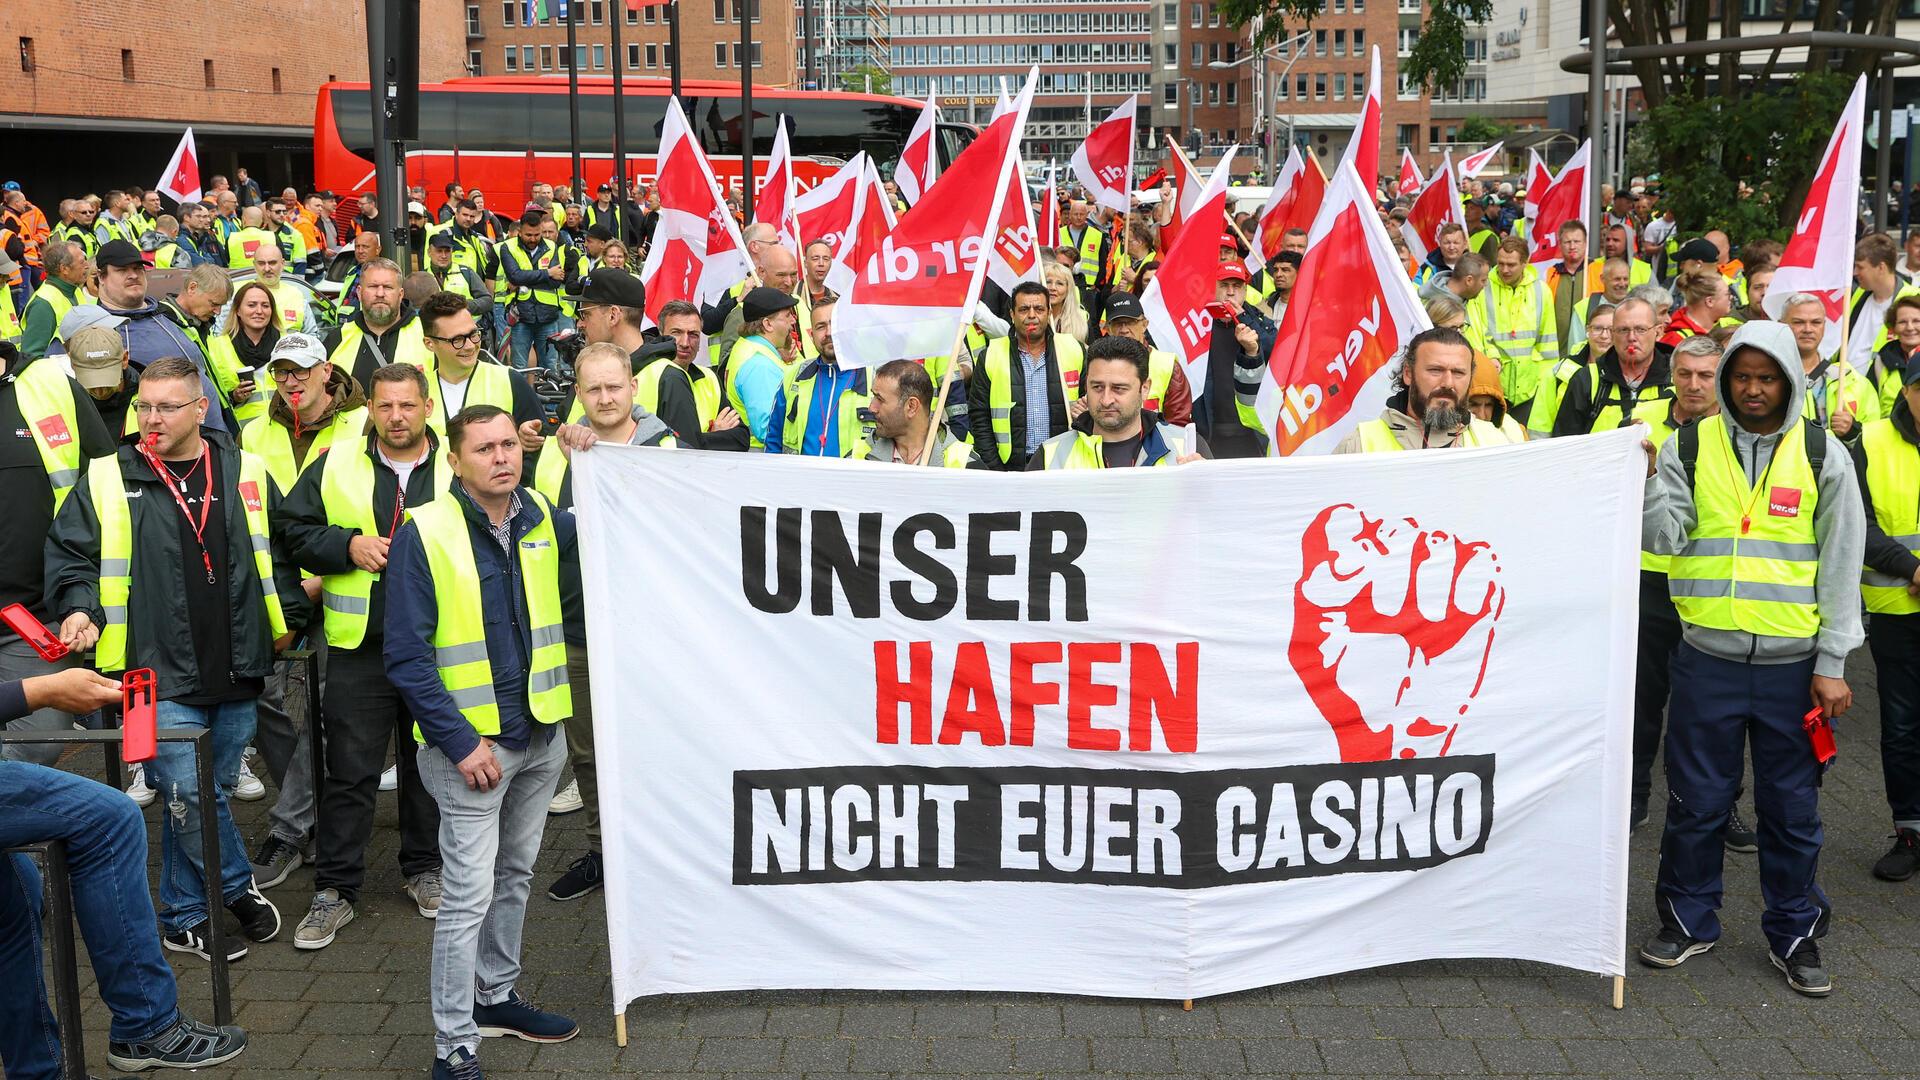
(1107, 826)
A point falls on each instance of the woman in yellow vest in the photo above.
(1888, 456)
(242, 353)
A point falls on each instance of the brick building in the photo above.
(499, 41)
(96, 95)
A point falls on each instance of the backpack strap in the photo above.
(1688, 438)
(1816, 446)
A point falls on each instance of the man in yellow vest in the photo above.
(66, 268)
(756, 365)
(1694, 363)
(247, 240)
(457, 377)
(1086, 239)
(57, 430)
(183, 580)
(1761, 514)
(1428, 409)
(1026, 387)
(1116, 431)
(1839, 396)
(382, 330)
(338, 522)
(290, 304)
(1167, 393)
(476, 647)
(1602, 394)
(1514, 317)
(902, 407)
(819, 407)
(1886, 464)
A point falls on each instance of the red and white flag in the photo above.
(774, 204)
(914, 289)
(1049, 220)
(1176, 300)
(1539, 177)
(1187, 185)
(1558, 201)
(1297, 194)
(1437, 204)
(1104, 162)
(1474, 164)
(1004, 105)
(1819, 255)
(1016, 247)
(181, 181)
(1351, 313)
(1363, 147)
(914, 173)
(848, 205)
(1409, 184)
(697, 252)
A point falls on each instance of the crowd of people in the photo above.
(241, 428)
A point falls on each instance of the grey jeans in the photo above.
(19, 661)
(488, 843)
(285, 744)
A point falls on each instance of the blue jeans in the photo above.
(183, 901)
(106, 841)
(531, 347)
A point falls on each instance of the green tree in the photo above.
(855, 81)
(1438, 59)
(1479, 129)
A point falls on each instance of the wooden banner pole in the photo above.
(620, 1029)
(1619, 991)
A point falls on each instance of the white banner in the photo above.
(1309, 715)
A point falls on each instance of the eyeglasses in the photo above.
(1599, 331)
(292, 374)
(145, 408)
(472, 337)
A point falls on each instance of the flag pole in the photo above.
(573, 98)
(746, 105)
(673, 45)
(620, 125)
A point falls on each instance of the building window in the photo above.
(1170, 94)
(1319, 88)
(720, 10)
(719, 54)
(1233, 93)
(526, 59)
(1405, 135)
(1340, 87)
(126, 64)
(507, 10)
(206, 72)
(1319, 43)
(756, 54)
(1280, 90)
(1195, 13)
(1359, 42)
(1170, 54)
(1213, 93)
(1300, 87)
(546, 58)
(512, 58)
(276, 80)
(599, 58)
(597, 12)
(1170, 15)
(1408, 36)
(1339, 43)
(473, 61)
(1359, 6)
(653, 56)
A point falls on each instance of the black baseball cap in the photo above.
(762, 301)
(1124, 305)
(441, 239)
(599, 231)
(1699, 248)
(615, 288)
(118, 253)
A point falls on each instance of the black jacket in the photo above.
(1582, 401)
(980, 413)
(1234, 439)
(157, 608)
(315, 544)
(376, 350)
(1884, 553)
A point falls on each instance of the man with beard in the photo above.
(382, 331)
(1428, 410)
(1115, 431)
(902, 407)
(1026, 388)
(1600, 395)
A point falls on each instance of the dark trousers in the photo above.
(1895, 643)
(1719, 706)
(580, 741)
(363, 715)
(1659, 633)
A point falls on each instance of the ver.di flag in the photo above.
(1409, 184)
(1293, 204)
(1177, 298)
(774, 204)
(1437, 204)
(914, 173)
(1563, 199)
(181, 180)
(1819, 255)
(1476, 163)
(913, 290)
(1103, 163)
(1016, 246)
(1363, 148)
(697, 252)
(1351, 312)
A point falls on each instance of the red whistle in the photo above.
(29, 628)
(153, 439)
(1820, 735)
(139, 739)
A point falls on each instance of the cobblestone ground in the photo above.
(358, 1008)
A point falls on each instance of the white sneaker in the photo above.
(390, 780)
(566, 800)
(248, 787)
(138, 791)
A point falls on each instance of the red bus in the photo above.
(500, 134)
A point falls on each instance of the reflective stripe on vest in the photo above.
(346, 491)
(1760, 580)
(524, 261)
(706, 391)
(460, 631)
(1893, 481)
(45, 399)
(800, 392)
(1089, 266)
(743, 349)
(999, 371)
(110, 509)
(1376, 436)
(1075, 450)
(272, 442)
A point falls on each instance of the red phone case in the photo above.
(139, 739)
(23, 623)
(1820, 734)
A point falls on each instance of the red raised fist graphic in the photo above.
(1392, 627)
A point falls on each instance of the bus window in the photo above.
(487, 122)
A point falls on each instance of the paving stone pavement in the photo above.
(358, 1009)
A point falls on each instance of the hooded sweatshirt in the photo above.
(1839, 523)
(346, 396)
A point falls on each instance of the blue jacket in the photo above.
(821, 438)
(531, 311)
(205, 248)
(412, 613)
(151, 335)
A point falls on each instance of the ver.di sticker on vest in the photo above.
(1783, 502)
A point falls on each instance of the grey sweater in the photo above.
(1839, 523)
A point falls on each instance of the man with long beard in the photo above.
(1428, 411)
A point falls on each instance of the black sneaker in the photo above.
(584, 876)
(1636, 817)
(459, 1065)
(275, 860)
(259, 919)
(1740, 835)
(518, 1017)
(1671, 948)
(194, 940)
(1803, 970)
(1902, 859)
(188, 1044)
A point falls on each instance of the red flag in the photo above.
(774, 204)
(1159, 177)
(1409, 184)
(1297, 194)
(1105, 160)
(697, 252)
(1819, 255)
(914, 173)
(181, 180)
(1351, 312)
(1363, 148)
(1049, 220)
(1562, 199)
(914, 289)
(1176, 301)
(1016, 255)
(1539, 178)
(849, 209)
(1474, 164)
(1187, 183)
(1438, 203)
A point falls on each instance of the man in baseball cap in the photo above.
(1167, 392)
(1234, 355)
(99, 361)
(756, 365)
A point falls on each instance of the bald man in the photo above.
(773, 266)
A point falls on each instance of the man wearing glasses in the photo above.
(1603, 394)
(181, 579)
(457, 379)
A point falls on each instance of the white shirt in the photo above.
(453, 396)
(1866, 327)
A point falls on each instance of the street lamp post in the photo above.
(1259, 89)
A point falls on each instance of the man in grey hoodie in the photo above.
(1762, 514)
